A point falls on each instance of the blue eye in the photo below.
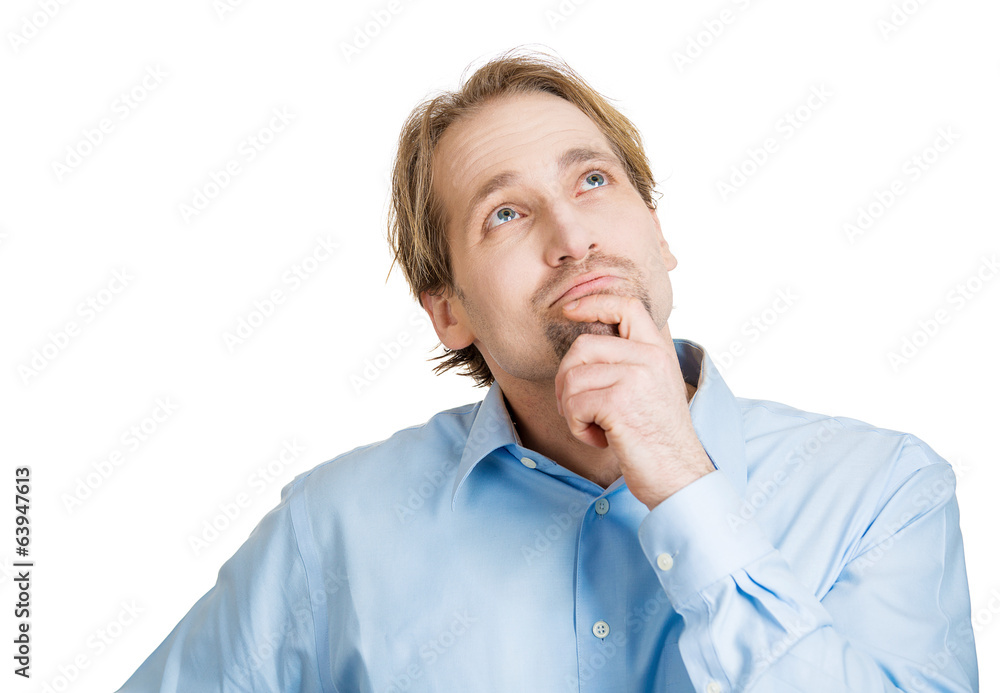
(502, 215)
(596, 179)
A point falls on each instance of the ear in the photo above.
(449, 319)
(668, 258)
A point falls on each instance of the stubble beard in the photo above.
(561, 332)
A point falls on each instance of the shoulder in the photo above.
(824, 485)
(838, 449)
(382, 467)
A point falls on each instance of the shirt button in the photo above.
(601, 629)
(601, 506)
(713, 687)
(666, 562)
(528, 462)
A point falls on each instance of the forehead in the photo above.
(518, 133)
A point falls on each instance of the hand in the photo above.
(627, 392)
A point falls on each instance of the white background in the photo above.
(63, 235)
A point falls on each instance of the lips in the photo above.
(586, 284)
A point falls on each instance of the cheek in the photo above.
(505, 289)
(647, 247)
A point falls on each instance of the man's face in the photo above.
(563, 209)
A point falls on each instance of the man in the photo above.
(610, 517)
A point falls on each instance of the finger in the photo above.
(585, 413)
(635, 325)
(598, 348)
(628, 312)
(592, 376)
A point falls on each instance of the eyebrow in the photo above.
(506, 179)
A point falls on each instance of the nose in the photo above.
(571, 233)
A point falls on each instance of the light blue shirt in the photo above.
(823, 554)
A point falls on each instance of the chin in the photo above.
(599, 328)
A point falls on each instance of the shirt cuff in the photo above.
(697, 536)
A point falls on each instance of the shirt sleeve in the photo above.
(253, 631)
(896, 619)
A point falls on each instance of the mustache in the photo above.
(620, 266)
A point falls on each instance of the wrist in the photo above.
(698, 466)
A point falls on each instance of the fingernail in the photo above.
(572, 304)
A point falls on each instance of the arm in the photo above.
(253, 631)
(899, 623)
(896, 619)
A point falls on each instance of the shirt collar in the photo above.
(715, 414)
